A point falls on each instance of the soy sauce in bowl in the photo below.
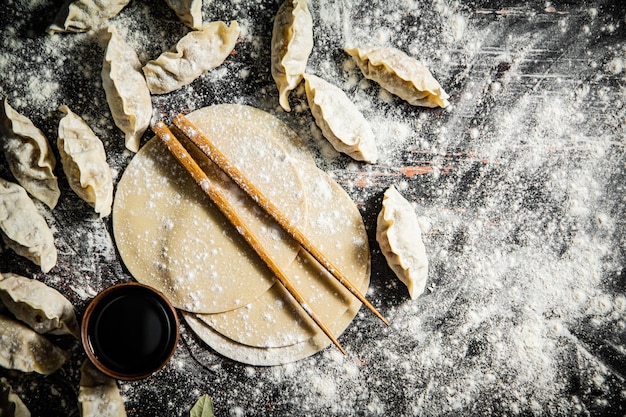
(129, 331)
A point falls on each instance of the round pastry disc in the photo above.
(335, 226)
(171, 236)
(273, 356)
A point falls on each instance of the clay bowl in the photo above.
(130, 331)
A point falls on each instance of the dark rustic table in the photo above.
(519, 188)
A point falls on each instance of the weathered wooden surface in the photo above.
(519, 186)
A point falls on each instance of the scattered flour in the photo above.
(519, 186)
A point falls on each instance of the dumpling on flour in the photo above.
(340, 121)
(84, 15)
(23, 229)
(195, 53)
(400, 239)
(401, 75)
(98, 394)
(42, 308)
(11, 404)
(188, 11)
(29, 156)
(292, 43)
(85, 162)
(126, 90)
(23, 349)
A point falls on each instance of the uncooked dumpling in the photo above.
(340, 121)
(188, 11)
(401, 75)
(23, 229)
(98, 394)
(400, 239)
(29, 156)
(126, 90)
(11, 404)
(196, 53)
(84, 15)
(41, 307)
(292, 43)
(23, 349)
(85, 162)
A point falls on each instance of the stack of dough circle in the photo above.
(172, 237)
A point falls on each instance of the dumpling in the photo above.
(29, 156)
(23, 229)
(11, 404)
(188, 11)
(400, 239)
(98, 394)
(23, 349)
(196, 52)
(85, 162)
(126, 90)
(340, 121)
(401, 75)
(84, 15)
(41, 307)
(292, 43)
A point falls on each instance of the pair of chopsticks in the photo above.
(184, 127)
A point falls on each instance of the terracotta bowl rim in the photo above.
(93, 304)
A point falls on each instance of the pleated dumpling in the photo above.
(42, 308)
(10, 402)
(84, 15)
(98, 394)
(23, 229)
(85, 163)
(400, 239)
(340, 121)
(188, 11)
(195, 53)
(126, 90)
(401, 75)
(292, 43)
(23, 349)
(29, 155)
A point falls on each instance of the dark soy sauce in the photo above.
(131, 331)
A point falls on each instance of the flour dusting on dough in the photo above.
(520, 180)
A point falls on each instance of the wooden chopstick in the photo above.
(200, 177)
(210, 150)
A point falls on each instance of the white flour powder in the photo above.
(519, 186)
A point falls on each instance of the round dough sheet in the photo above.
(335, 226)
(172, 237)
(274, 356)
